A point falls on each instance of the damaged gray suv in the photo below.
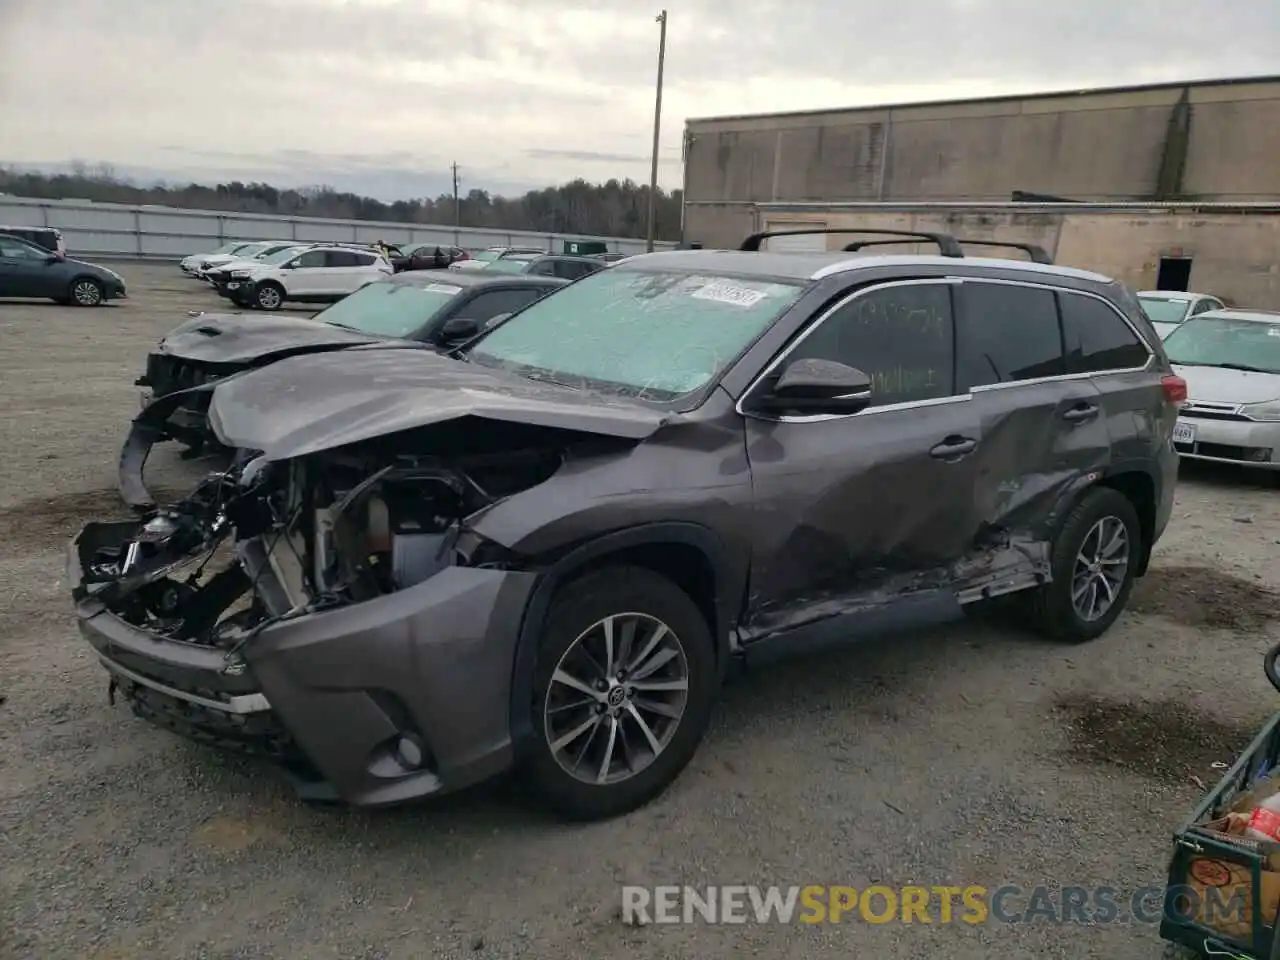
(543, 551)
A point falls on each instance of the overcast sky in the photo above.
(380, 96)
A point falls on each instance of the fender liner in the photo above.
(679, 532)
(1069, 496)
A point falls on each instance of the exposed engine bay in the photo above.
(268, 541)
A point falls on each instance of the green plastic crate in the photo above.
(1192, 843)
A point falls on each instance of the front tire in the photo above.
(86, 292)
(268, 296)
(623, 689)
(1095, 558)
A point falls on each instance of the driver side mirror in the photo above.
(54, 258)
(818, 387)
(458, 329)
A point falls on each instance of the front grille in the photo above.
(253, 734)
(166, 373)
(1212, 415)
(1226, 451)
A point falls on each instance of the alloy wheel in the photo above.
(1102, 563)
(616, 698)
(87, 293)
(269, 298)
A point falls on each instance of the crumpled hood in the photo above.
(244, 338)
(238, 263)
(1215, 384)
(303, 405)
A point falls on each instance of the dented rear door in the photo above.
(1042, 426)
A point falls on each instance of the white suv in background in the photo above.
(314, 275)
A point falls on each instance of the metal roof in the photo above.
(1003, 98)
(815, 207)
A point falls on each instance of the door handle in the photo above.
(953, 447)
(1080, 413)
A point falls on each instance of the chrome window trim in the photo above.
(937, 401)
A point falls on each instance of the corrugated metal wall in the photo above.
(108, 229)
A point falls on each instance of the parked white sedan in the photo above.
(1231, 362)
(1168, 308)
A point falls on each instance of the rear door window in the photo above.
(1006, 333)
(490, 304)
(342, 258)
(572, 271)
(1097, 337)
(312, 258)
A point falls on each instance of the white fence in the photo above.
(170, 233)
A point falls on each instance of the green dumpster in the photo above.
(585, 248)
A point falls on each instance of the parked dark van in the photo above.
(47, 237)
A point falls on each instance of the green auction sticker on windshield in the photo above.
(722, 291)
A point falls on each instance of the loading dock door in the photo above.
(807, 243)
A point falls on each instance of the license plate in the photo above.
(1184, 433)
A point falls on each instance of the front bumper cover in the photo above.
(333, 692)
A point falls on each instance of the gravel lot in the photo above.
(974, 755)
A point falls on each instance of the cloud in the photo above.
(383, 95)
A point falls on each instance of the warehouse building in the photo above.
(1171, 185)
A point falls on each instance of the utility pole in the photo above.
(457, 206)
(657, 128)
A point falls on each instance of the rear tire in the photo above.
(268, 296)
(639, 719)
(1094, 558)
(86, 292)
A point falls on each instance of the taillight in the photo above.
(1175, 388)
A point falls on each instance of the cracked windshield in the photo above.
(1237, 344)
(390, 309)
(652, 335)
(1161, 310)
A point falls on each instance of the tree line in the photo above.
(615, 208)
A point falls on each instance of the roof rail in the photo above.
(1036, 253)
(946, 243)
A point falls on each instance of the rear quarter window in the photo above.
(1097, 337)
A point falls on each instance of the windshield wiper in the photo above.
(1230, 366)
(541, 377)
(1245, 367)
